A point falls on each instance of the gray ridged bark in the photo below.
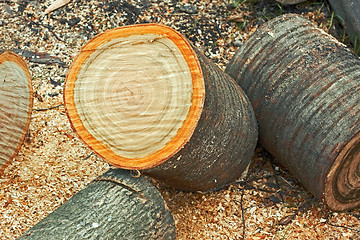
(114, 206)
(349, 12)
(223, 142)
(304, 87)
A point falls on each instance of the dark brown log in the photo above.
(114, 206)
(16, 100)
(304, 87)
(141, 96)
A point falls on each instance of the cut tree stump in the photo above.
(141, 97)
(114, 206)
(304, 87)
(16, 101)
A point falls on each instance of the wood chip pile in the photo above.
(53, 164)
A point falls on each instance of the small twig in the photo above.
(277, 181)
(253, 179)
(45, 109)
(348, 228)
(286, 181)
(87, 157)
(243, 212)
(287, 219)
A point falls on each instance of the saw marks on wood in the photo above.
(135, 94)
(15, 105)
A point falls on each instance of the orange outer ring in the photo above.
(184, 133)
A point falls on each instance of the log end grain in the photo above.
(342, 188)
(16, 100)
(303, 85)
(135, 94)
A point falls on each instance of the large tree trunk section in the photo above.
(349, 12)
(136, 96)
(223, 142)
(304, 87)
(290, 2)
(114, 206)
(16, 100)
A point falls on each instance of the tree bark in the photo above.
(223, 142)
(290, 2)
(304, 85)
(16, 100)
(349, 13)
(114, 206)
(165, 105)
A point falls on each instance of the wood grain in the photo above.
(16, 100)
(143, 98)
(140, 99)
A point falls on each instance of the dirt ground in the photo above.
(53, 163)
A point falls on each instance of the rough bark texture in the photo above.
(217, 137)
(290, 2)
(223, 143)
(114, 206)
(349, 12)
(304, 86)
(16, 101)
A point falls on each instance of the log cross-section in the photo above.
(135, 94)
(16, 100)
(143, 98)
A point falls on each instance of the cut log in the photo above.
(349, 14)
(136, 96)
(304, 86)
(16, 100)
(290, 2)
(114, 206)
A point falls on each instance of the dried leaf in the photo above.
(55, 5)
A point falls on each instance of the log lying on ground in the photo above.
(290, 2)
(140, 98)
(349, 14)
(16, 100)
(114, 206)
(304, 86)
